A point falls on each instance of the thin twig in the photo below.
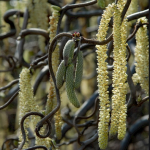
(125, 9)
(132, 99)
(9, 101)
(9, 139)
(138, 15)
(137, 26)
(19, 48)
(36, 147)
(50, 50)
(89, 141)
(143, 100)
(135, 128)
(12, 64)
(71, 6)
(9, 84)
(33, 31)
(84, 117)
(37, 133)
(6, 17)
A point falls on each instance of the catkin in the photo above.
(55, 61)
(79, 70)
(68, 51)
(121, 4)
(52, 101)
(35, 119)
(25, 100)
(118, 116)
(142, 56)
(122, 122)
(123, 79)
(116, 75)
(102, 78)
(60, 74)
(27, 103)
(70, 86)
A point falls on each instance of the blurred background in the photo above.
(88, 27)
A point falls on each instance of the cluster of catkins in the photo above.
(51, 101)
(36, 15)
(70, 71)
(66, 72)
(119, 107)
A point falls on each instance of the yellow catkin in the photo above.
(123, 85)
(58, 124)
(51, 98)
(55, 61)
(121, 4)
(142, 56)
(25, 99)
(27, 103)
(116, 76)
(118, 115)
(122, 122)
(102, 79)
(136, 78)
(52, 101)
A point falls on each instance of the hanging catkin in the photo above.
(142, 56)
(119, 108)
(25, 100)
(102, 78)
(52, 101)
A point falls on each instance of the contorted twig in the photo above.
(23, 130)
(83, 45)
(84, 117)
(9, 101)
(9, 85)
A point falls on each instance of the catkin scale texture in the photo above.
(118, 115)
(79, 70)
(102, 79)
(142, 56)
(25, 99)
(116, 72)
(70, 86)
(60, 74)
(55, 61)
